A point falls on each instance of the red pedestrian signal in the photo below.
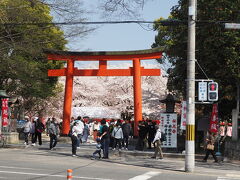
(212, 91)
(213, 86)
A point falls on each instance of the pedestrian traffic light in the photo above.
(212, 91)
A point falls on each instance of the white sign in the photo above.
(168, 125)
(202, 91)
(183, 115)
(232, 26)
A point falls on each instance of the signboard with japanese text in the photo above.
(4, 112)
(214, 119)
(202, 91)
(168, 125)
(183, 115)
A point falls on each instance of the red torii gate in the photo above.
(103, 56)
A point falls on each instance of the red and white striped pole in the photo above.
(69, 174)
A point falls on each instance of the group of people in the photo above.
(146, 133)
(114, 134)
(216, 142)
(33, 130)
(108, 135)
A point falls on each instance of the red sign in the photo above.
(4, 112)
(214, 119)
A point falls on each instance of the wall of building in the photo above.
(233, 150)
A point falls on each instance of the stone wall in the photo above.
(233, 150)
(11, 137)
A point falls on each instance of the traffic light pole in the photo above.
(190, 123)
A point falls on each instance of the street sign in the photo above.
(232, 26)
(202, 91)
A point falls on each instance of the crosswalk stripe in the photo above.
(145, 176)
(228, 178)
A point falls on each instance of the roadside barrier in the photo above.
(69, 174)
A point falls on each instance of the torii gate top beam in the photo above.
(154, 53)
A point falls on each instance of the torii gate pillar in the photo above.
(137, 94)
(68, 96)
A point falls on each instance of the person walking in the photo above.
(96, 127)
(117, 134)
(111, 127)
(32, 132)
(157, 141)
(39, 128)
(26, 130)
(127, 129)
(104, 136)
(74, 138)
(53, 131)
(79, 130)
(48, 125)
(210, 141)
(86, 133)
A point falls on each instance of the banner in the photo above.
(214, 119)
(168, 125)
(183, 116)
(4, 112)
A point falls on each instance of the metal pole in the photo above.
(190, 129)
(238, 96)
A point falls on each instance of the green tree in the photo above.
(217, 49)
(23, 64)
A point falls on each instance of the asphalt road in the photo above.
(40, 163)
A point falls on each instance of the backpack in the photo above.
(163, 137)
(39, 127)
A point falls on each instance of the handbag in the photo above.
(210, 147)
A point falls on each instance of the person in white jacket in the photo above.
(26, 130)
(158, 149)
(117, 133)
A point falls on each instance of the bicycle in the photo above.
(2, 141)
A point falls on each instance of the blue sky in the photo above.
(124, 37)
(121, 37)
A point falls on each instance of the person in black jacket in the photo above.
(126, 128)
(142, 134)
(105, 138)
(39, 128)
(151, 133)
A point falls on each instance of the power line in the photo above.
(162, 22)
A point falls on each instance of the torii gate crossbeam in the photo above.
(103, 56)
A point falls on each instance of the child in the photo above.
(98, 149)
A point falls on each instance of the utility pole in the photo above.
(190, 127)
(236, 112)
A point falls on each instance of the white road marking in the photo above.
(145, 176)
(233, 175)
(12, 167)
(50, 175)
(228, 178)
